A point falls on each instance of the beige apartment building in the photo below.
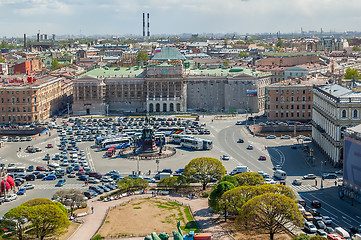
(23, 101)
(291, 100)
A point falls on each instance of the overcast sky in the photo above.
(119, 17)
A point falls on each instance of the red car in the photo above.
(81, 171)
(40, 168)
(262, 158)
(50, 145)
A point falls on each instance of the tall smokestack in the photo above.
(143, 25)
(38, 37)
(25, 41)
(148, 25)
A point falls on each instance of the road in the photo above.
(224, 134)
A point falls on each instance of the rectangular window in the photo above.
(276, 106)
(291, 114)
(303, 107)
(24, 109)
(286, 114)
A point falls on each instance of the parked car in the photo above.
(321, 233)
(50, 177)
(249, 147)
(225, 157)
(308, 216)
(60, 183)
(329, 176)
(30, 177)
(271, 137)
(21, 191)
(11, 197)
(29, 186)
(309, 227)
(49, 145)
(327, 220)
(320, 224)
(262, 157)
(285, 137)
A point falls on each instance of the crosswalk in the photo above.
(303, 188)
(66, 186)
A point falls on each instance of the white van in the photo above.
(239, 169)
(53, 165)
(342, 232)
(280, 174)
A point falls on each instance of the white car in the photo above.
(29, 186)
(271, 137)
(106, 179)
(225, 157)
(11, 197)
(285, 137)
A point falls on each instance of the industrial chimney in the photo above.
(25, 41)
(143, 25)
(148, 25)
(38, 37)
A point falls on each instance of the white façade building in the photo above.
(335, 108)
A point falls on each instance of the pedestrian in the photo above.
(92, 210)
(335, 183)
(316, 182)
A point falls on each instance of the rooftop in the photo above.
(168, 53)
(288, 54)
(114, 72)
(224, 72)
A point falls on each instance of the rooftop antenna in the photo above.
(148, 25)
(143, 25)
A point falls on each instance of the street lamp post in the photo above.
(68, 106)
(321, 175)
(107, 109)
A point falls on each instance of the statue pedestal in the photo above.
(149, 146)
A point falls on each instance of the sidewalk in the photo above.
(205, 219)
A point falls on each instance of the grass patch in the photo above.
(137, 208)
(191, 224)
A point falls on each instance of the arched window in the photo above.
(151, 108)
(355, 113)
(344, 114)
(157, 107)
(164, 107)
(171, 107)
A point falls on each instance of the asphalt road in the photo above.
(224, 134)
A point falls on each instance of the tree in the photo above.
(37, 201)
(269, 212)
(55, 65)
(225, 63)
(142, 56)
(2, 60)
(129, 183)
(173, 182)
(317, 237)
(249, 178)
(71, 198)
(280, 44)
(217, 193)
(301, 237)
(356, 49)
(15, 217)
(230, 179)
(204, 170)
(351, 73)
(275, 188)
(243, 54)
(234, 199)
(47, 220)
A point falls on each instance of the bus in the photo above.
(196, 143)
(159, 139)
(170, 130)
(15, 170)
(207, 144)
(123, 142)
(132, 132)
(176, 138)
(99, 140)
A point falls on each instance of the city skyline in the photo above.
(124, 17)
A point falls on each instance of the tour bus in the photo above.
(280, 174)
(196, 143)
(176, 138)
(117, 143)
(170, 130)
(16, 170)
(99, 140)
(131, 132)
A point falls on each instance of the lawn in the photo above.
(152, 214)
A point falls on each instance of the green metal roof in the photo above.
(168, 53)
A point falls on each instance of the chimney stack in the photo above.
(38, 37)
(148, 25)
(25, 41)
(143, 25)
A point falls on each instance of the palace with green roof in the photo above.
(166, 86)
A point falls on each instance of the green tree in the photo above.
(230, 179)
(280, 44)
(173, 182)
(249, 178)
(234, 199)
(351, 73)
(204, 170)
(129, 183)
(225, 63)
(15, 218)
(301, 237)
(71, 198)
(55, 65)
(317, 238)
(356, 49)
(47, 220)
(217, 193)
(2, 60)
(275, 188)
(269, 212)
(37, 201)
(243, 54)
(142, 56)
